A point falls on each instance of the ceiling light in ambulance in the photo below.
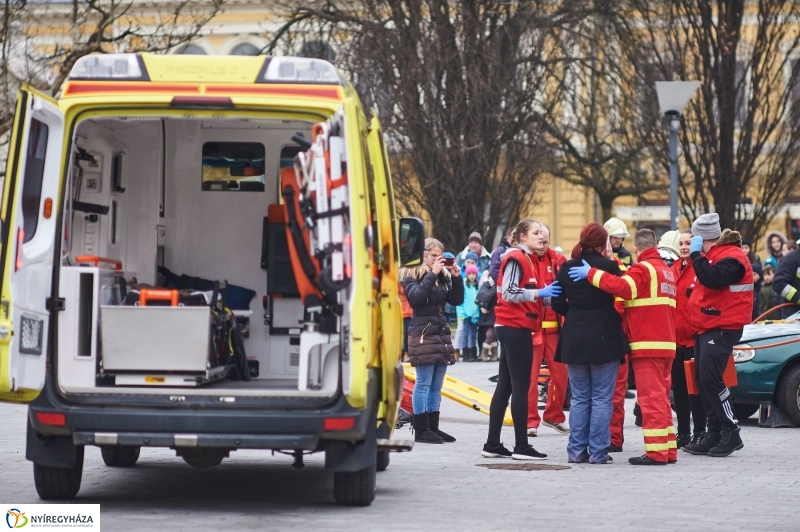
(110, 67)
(300, 70)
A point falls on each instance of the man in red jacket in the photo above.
(648, 288)
(719, 308)
(544, 346)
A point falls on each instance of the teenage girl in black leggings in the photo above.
(518, 316)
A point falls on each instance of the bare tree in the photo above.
(461, 87)
(41, 41)
(604, 135)
(741, 132)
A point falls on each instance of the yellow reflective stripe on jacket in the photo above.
(666, 346)
(549, 325)
(650, 301)
(789, 292)
(632, 284)
(656, 447)
(596, 278)
(655, 432)
(653, 280)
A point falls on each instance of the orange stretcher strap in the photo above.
(156, 294)
(97, 260)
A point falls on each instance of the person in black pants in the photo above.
(517, 317)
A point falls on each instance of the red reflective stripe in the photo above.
(334, 93)
(93, 87)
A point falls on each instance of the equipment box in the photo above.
(154, 339)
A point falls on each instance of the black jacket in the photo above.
(592, 331)
(429, 339)
(487, 300)
(787, 282)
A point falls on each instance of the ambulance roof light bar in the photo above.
(110, 67)
(303, 70)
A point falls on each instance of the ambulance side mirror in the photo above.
(412, 241)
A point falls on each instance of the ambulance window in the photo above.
(233, 167)
(34, 175)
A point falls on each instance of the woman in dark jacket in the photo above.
(592, 344)
(428, 288)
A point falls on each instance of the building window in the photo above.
(34, 175)
(317, 50)
(191, 49)
(245, 48)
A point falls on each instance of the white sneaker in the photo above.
(532, 432)
(558, 427)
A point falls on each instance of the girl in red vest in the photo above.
(518, 316)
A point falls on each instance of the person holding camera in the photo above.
(428, 288)
(518, 315)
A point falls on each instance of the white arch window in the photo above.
(245, 48)
(191, 49)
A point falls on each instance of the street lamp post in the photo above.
(672, 99)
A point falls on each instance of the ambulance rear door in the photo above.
(29, 212)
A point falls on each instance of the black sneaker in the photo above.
(613, 449)
(527, 453)
(644, 460)
(630, 395)
(697, 436)
(730, 440)
(706, 443)
(495, 451)
(682, 440)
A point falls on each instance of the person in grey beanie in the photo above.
(720, 306)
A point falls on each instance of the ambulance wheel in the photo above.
(59, 483)
(355, 489)
(120, 456)
(787, 396)
(383, 461)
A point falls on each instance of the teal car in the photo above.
(769, 374)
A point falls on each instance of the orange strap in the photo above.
(96, 260)
(156, 294)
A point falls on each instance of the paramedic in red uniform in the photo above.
(547, 263)
(621, 386)
(648, 289)
(518, 315)
(685, 404)
(720, 306)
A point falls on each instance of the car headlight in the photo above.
(743, 355)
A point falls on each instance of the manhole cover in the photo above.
(525, 467)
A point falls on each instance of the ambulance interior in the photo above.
(165, 204)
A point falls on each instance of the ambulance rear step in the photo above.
(395, 445)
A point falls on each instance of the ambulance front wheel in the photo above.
(59, 483)
(356, 488)
(120, 456)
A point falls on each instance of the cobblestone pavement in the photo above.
(439, 487)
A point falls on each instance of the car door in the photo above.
(391, 315)
(29, 207)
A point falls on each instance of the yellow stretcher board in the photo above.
(463, 393)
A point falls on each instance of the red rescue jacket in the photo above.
(547, 266)
(648, 288)
(727, 308)
(686, 280)
(527, 315)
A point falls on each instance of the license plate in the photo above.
(152, 379)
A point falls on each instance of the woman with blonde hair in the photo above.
(428, 288)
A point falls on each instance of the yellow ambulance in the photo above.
(201, 253)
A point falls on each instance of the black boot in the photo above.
(422, 431)
(637, 412)
(433, 420)
(683, 439)
(706, 443)
(471, 354)
(730, 440)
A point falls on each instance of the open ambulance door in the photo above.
(391, 315)
(28, 215)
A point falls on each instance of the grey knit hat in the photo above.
(707, 226)
(475, 237)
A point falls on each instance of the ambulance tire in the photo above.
(120, 456)
(356, 488)
(59, 483)
(383, 461)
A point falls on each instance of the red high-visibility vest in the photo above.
(727, 308)
(686, 282)
(527, 315)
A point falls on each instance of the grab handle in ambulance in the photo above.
(96, 260)
(150, 294)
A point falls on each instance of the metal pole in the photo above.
(674, 124)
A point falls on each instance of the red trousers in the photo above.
(556, 391)
(653, 381)
(618, 413)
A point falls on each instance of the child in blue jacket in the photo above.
(469, 312)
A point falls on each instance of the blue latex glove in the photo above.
(553, 290)
(579, 273)
(696, 244)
